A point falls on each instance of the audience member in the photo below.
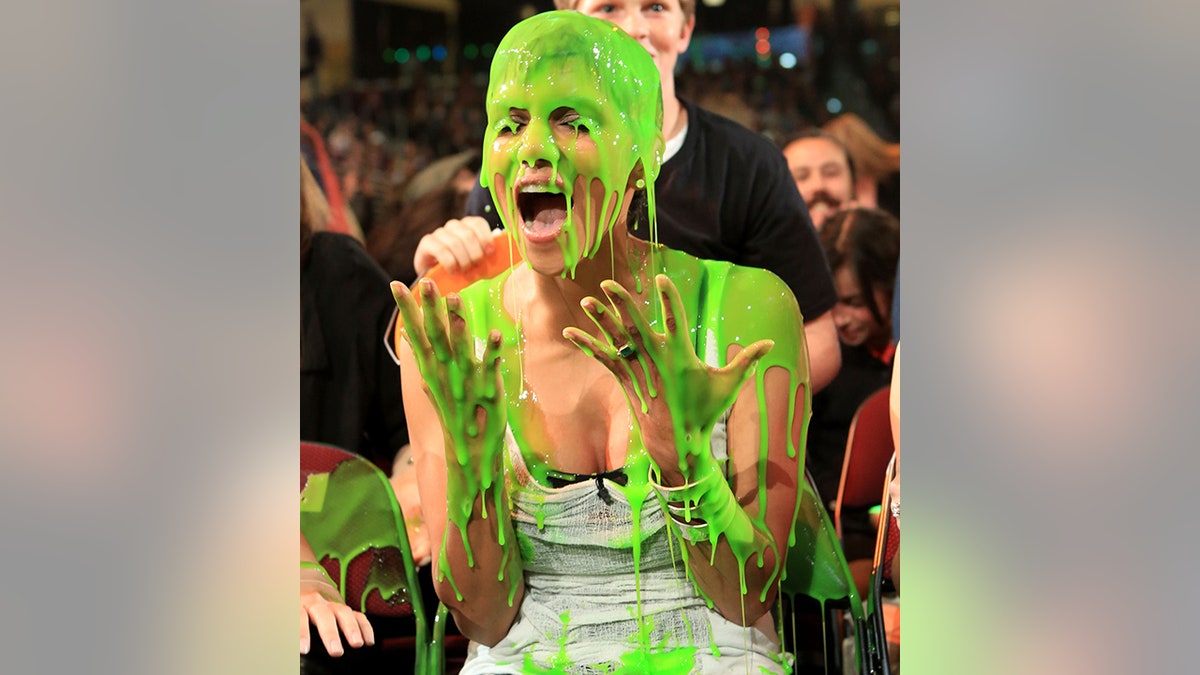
(824, 173)
(436, 194)
(876, 162)
(322, 605)
(863, 246)
(349, 395)
(349, 384)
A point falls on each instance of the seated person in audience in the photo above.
(724, 192)
(586, 516)
(349, 384)
(824, 173)
(323, 606)
(876, 162)
(437, 194)
(863, 247)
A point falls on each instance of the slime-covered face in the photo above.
(573, 110)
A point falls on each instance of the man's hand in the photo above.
(456, 246)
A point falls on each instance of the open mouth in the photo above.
(542, 214)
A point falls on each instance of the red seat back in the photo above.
(351, 512)
(869, 448)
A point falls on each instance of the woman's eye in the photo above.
(510, 126)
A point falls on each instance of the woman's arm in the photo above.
(764, 470)
(767, 508)
(477, 568)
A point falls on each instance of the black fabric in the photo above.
(560, 479)
(349, 384)
(727, 195)
(833, 409)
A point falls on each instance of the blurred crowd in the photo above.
(380, 134)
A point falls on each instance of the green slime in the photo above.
(707, 289)
(351, 512)
(564, 58)
(557, 59)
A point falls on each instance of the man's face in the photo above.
(822, 175)
(660, 27)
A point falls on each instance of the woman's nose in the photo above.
(841, 317)
(537, 144)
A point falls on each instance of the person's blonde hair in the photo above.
(314, 209)
(873, 156)
(688, 6)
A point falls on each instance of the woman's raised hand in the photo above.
(675, 397)
(465, 389)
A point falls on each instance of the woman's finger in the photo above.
(462, 368)
(460, 341)
(604, 353)
(435, 320)
(617, 358)
(604, 319)
(633, 323)
(675, 324)
(489, 369)
(413, 320)
(492, 389)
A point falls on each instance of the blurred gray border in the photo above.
(148, 416)
(1048, 367)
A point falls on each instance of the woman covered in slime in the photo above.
(607, 456)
